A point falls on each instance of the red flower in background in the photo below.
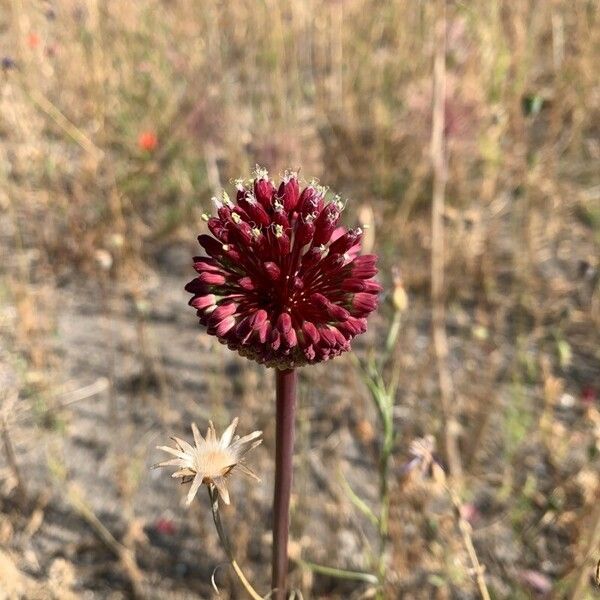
(589, 395)
(282, 283)
(147, 141)
(33, 40)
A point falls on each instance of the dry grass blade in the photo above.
(438, 157)
(15, 583)
(99, 386)
(125, 555)
(580, 590)
(11, 458)
(74, 132)
(213, 581)
(465, 531)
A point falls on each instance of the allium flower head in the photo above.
(283, 284)
(210, 460)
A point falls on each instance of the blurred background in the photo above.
(119, 121)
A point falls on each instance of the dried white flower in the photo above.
(211, 460)
(421, 450)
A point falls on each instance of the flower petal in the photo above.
(185, 472)
(249, 472)
(194, 488)
(221, 486)
(228, 434)
(246, 440)
(172, 462)
(198, 439)
(173, 451)
(185, 446)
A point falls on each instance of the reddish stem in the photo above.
(284, 452)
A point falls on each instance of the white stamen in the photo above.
(260, 173)
(288, 175)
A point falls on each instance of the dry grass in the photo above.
(96, 233)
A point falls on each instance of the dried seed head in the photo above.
(210, 460)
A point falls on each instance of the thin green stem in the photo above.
(384, 491)
(392, 337)
(339, 573)
(358, 502)
(383, 395)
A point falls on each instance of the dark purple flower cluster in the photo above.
(283, 284)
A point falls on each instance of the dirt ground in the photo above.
(130, 377)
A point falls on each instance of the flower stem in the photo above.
(214, 502)
(284, 452)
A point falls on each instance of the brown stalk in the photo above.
(438, 160)
(11, 459)
(581, 587)
(465, 532)
(284, 453)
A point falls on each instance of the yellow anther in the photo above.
(226, 199)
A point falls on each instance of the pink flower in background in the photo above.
(165, 526)
(283, 284)
(147, 141)
(537, 581)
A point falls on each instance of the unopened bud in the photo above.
(399, 295)
(367, 218)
